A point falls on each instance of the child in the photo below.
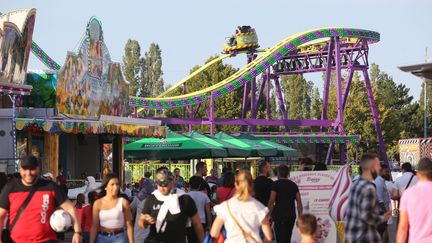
(79, 205)
(202, 202)
(86, 219)
(306, 226)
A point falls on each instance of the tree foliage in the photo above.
(228, 106)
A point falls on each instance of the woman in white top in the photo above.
(111, 214)
(242, 215)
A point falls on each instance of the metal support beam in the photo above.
(245, 122)
(260, 92)
(268, 115)
(13, 98)
(211, 117)
(339, 118)
(245, 104)
(281, 101)
(327, 83)
(382, 148)
(329, 152)
(347, 88)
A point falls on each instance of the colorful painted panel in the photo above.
(90, 84)
(409, 150)
(16, 33)
(43, 94)
(88, 127)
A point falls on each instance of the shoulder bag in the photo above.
(245, 233)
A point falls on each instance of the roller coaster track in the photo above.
(254, 68)
(298, 42)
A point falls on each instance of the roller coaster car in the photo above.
(245, 38)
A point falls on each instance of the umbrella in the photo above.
(232, 149)
(257, 149)
(174, 146)
(283, 151)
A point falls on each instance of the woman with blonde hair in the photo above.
(242, 215)
(111, 214)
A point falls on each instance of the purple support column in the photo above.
(268, 115)
(329, 152)
(339, 118)
(347, 88)
(253, 93)
(211, 117)
(191, 115)
(260, 92)
(327, 82)
(184, 108)
(281, 101)
(326, 93)
(342, 153)
(245, 104)
(382, 147)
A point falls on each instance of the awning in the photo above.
(233, 150)
(88, 127)
(311, 138)
(283, 151)
(422, 70)
(174, 146)
(17, 89)
(257, 149)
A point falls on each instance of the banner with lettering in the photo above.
(315, 188)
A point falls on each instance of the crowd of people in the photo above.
(169, 209)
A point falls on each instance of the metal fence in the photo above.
(138, 170)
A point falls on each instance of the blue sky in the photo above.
(188, 32)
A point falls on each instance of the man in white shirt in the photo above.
(128, 191)
(383, 196)
(407, 180)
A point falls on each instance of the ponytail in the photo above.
(243, 181)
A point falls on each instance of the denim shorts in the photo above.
(117, 238)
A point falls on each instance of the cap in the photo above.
(424, 165)
(48, 175)
(163, 177)
(30, 162)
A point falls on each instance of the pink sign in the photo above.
(315, 188)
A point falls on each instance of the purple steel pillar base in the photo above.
(319, 150)
(211, 117)
(342, 153)
(329, 152)
(382, 148)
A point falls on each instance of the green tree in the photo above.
(228, 106)
(132, 66)
(153, 74)
(262, 108)
(316, 106)
(396, 112)
(298, 97)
